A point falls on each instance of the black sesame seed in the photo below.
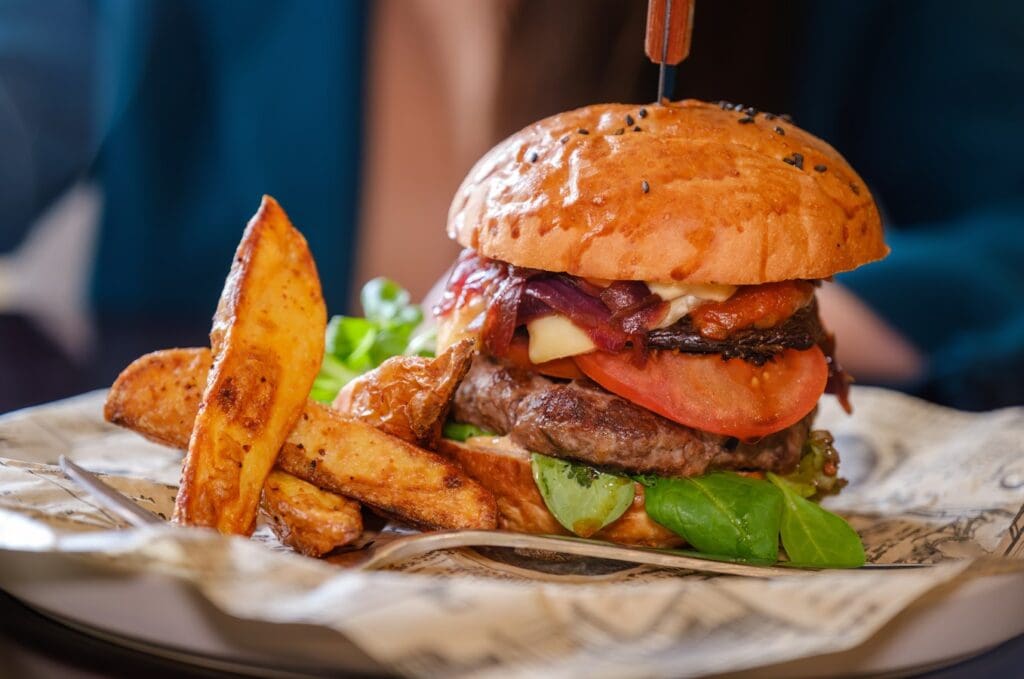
(750, 111)
(629, 120)
(643, 113)
(855, 188)
(746, 120)
(770, 116)
(636, 129)
(645, 187)
(779, 130)
(583, 131)
(533, 157)
(820, 168)
(737, 107)
(621, 130)
(564, 139)
(796, 160)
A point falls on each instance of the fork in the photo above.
(394, 545)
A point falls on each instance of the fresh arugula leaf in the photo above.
(357, 345)
(645, 480)
(345, 333)
(386, 302)
(334, 375)
(581, 498)
(460, 431)
(720, 513)
(423, 342)
(814, 536)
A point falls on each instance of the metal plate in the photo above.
(166, 618)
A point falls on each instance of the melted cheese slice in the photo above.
(465, 321)
(712, 292)
(556, 336)
(683, 298)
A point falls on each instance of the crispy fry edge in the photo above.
(150, 397)
(268, 339)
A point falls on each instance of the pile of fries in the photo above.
(256, 442)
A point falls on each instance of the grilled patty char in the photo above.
(578, 420)
(800, 331)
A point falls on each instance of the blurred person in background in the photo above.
(138, 137)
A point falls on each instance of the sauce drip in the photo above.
(760, 306)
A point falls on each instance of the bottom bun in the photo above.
(504, 469)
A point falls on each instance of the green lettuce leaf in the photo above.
(355, 345)
(460, 431)
(815, 475)
(814, 536)
(719, 513)
(582, 499)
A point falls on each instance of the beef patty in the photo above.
(579, 420)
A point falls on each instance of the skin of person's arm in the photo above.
(866, 345)
(432, 81)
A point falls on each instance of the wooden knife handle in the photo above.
(680, 26)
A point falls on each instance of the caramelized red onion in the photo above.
(501, 319)
(613, 317)
(634, 307)
(560, 295)
(839, 380)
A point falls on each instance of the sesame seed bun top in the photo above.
(683, 192)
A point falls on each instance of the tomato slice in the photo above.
(519, 354)
(733, 397)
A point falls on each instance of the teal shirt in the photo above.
(202, 108)
(184, 112)
(926, 100)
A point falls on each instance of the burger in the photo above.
(640, 285)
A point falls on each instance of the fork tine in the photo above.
(402, 549)
(106, 496)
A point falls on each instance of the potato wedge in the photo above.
(408, 396)
(158, 395)
(309, 520)
(358, 460)
(333, 452)
(268, 341)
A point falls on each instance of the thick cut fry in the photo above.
(268, 341)
(310, 520)
(408, 396)
(356, 459)
(348, 457)
(307, 519)
(158, 395)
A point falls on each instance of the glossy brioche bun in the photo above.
(504, 469)
(694, 195)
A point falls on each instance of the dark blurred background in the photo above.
(137, 138)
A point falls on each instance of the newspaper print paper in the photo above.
(928, 485)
